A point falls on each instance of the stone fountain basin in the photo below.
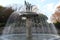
(34, 37)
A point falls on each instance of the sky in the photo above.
(46, 7)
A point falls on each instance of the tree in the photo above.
(4, 14)
(56, 16)
(43, 16)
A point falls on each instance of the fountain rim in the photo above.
(33, 34)
(28, 14)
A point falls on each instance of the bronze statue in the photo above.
(28, 6)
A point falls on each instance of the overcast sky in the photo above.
(47, 7)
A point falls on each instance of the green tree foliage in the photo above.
(57, 24)
(55, 18)
(4, 14)
(43, 16)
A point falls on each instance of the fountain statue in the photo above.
(29, 25)
(28, 6)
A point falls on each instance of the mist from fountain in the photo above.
(16, 29)
(15, 24)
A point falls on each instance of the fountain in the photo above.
(28, 26)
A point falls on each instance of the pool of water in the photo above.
(34, 37)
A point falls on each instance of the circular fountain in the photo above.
(29, 26)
